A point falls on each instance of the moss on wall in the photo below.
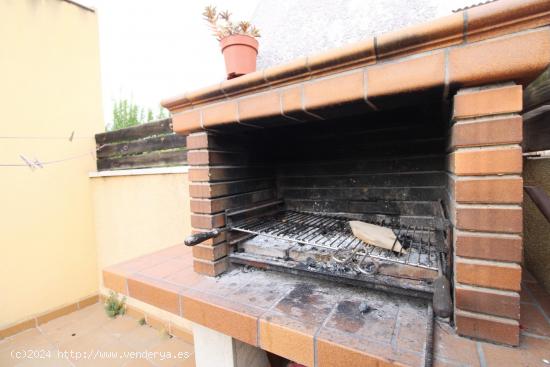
(536, 227)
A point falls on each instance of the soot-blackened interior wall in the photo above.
(390, 163)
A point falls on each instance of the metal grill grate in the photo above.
(335, 233)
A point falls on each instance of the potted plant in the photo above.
(237, 41)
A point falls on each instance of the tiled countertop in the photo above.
(319, 323)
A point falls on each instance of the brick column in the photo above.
(221, 178)
(485, 185)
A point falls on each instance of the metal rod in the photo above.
(429, 347)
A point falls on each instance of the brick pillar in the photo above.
(221, 178)
(485, 184)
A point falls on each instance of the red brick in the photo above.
(504, 304)
(213, 190)
(229, 202)
(410, 76)
(207, 221)
(291, 100)
(507, 219)
(199, 174)
(211, 253)
(262, 105)
(210, 268)
(185, 122)
(319, 94)
(489, 246)
(226, 173)
(519, 57)
(208, 157)
(197, 157)
(197, 140)
(488, 190)
(490, 101)
(490, 131)
(490, 275)
(219, 114)
(487, 328)
(488, 161)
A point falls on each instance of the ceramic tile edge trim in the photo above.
(441, 29)
(137, 312)
(134, 310)
(63, 310)
(457, 74)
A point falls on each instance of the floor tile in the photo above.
(93, 331)
(530, 353)
(138, 363)
(52, 360)
(75, 324)
(91, 341)
(110, 354)
(142, 338)
(20, 343)
(533, 321)
(542, 297)
(120, 325)
(525, 295)
(453, 348)
(182, 353)
(21, 339)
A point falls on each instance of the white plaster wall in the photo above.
(291, 29)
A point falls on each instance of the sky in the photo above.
(151, 50)
(155, 49)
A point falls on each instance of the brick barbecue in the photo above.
(296, 187)
(420, 136)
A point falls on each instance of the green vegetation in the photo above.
(115, 306)
(126, 113)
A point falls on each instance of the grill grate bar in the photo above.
(335, 233)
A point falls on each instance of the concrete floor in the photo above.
(89, 338)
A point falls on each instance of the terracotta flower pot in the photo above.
(239, 52)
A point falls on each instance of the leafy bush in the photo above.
(115, 306)
(126, 113)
